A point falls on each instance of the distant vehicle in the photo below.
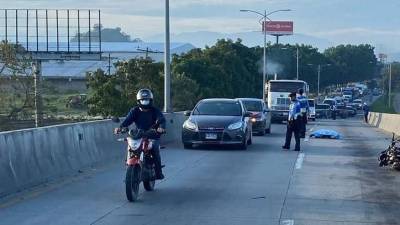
(333, 105)
(348, 95)
(376, 92)
(339, 100)
(311, 114)
(217, 122)
(261, 115)
(351, 111)
(358, 103)
(342, 111)
(322, 111)
(277, 92)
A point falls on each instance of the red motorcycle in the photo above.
(139, 161)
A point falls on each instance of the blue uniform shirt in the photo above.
(294, 110)
(303, 103)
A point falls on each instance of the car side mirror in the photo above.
(187, 113)
(247, 114)
(115, 119)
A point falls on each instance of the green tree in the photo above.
(353, 62)
(227, 69)
(114, 95)
(17, 100)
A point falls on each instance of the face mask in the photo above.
(145, 102)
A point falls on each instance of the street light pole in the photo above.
(264, 56)
(264, 17)
(167, 57)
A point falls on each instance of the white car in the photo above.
(311, 105)
(358, 103)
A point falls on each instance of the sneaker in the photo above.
(285, 148)
(297, 150)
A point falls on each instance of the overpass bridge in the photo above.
(73, 174)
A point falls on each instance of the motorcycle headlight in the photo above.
(133, 144)
(235, 126)
(190, 125)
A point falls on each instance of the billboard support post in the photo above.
(37, 70)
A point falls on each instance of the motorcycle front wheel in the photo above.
(132, 181)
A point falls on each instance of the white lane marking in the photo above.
(288, 222)
(299, 161)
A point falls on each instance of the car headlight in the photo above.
(235, 126)
(190, 125)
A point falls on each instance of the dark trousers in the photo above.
(303, 122)
(366, 117)
(155, 151)
(293, 127)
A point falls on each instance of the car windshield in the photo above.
(285, 86)
(254, 106)
(322, 106)
(311, 103)
(218, 108)
(347, 93)
(357, 101)
(330, 102)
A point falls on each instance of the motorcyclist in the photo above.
(145, 116)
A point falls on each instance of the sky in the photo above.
(339, 21)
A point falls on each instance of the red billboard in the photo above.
(278, 27)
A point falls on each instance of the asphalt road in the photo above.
(328, 182)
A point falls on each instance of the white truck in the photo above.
(277, 95)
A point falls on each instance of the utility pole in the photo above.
(37, 71)
(390, 85)
(109, 64)
(319, 74)
(297, 62)
(167, 68)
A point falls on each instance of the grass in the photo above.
(54, 104)
(381, 105)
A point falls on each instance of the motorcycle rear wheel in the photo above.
(149, 185)
(132, 181)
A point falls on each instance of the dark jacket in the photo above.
(144, 120)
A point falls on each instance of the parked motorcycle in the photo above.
(391, 156)
(139, 161)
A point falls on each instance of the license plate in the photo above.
(211, 136)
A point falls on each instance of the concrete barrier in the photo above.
(385, 121)
(35, 156)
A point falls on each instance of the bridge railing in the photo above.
(35, 156)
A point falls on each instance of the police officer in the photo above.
(304, 108)
(294, 121)
(365, 108)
